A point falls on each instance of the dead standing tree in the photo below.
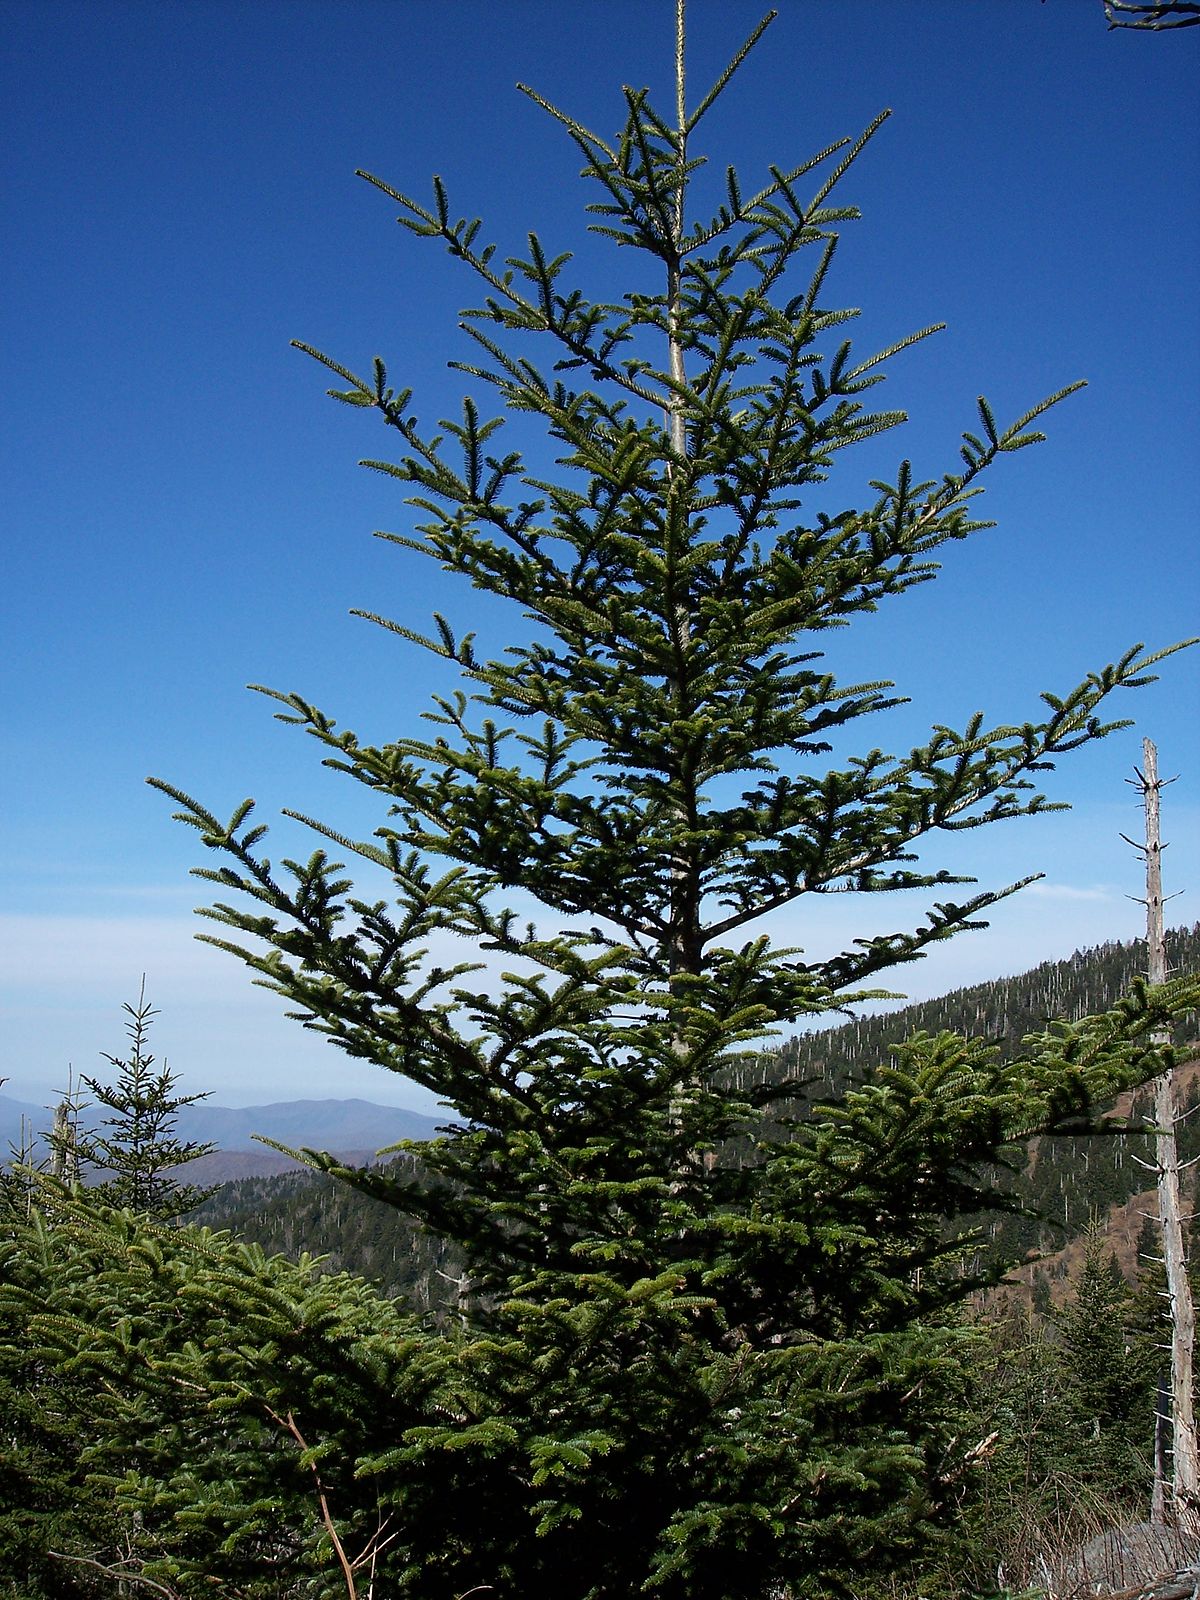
(1182, 1503)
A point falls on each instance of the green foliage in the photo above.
(54, 1514)
(1060, 1183)
(298, 1213)
(243, 1410)
(677, 1374)
(61, 1419)
(50, 1416)
(1063, 1405)
(307, 1211)
(1107, 1378)
(205, 1360)
(248, 1409)
(136, 1141)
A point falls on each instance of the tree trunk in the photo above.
(684, 952)
(64, 1154)
(1183, 1501)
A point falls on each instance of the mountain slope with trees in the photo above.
(1067, 1182)
(295, 1213)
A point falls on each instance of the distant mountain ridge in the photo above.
(265, 1198)
(349, 1128)
(321, 1124)
(1069, 1180)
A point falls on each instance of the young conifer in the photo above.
(697, 1375)
(136, 1144)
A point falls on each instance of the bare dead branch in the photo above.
(121, 1572)
(1152, 18)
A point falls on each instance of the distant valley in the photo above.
(1067, 1182)
(352, 1129)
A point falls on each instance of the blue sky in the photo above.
(184, 514)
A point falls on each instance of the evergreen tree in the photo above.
(1028, 1502)
(1103, 1379)
(55, 1521)
(46, 1502)
(201, 1375)
(136, 1141)
(687, 1375)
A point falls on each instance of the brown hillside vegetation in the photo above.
(1120, 1223)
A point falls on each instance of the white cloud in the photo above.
(67, 977)
(1069, 891)
(81, 957)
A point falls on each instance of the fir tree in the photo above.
(688, 1375)
(45, 1501)
(136, 1141)
(1110, 1405)
(194, 1364)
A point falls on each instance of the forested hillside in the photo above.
(1004, 1009)
(298, 1212)
(1065, 1181)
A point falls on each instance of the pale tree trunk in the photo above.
(684, 954)
(674, 309)
(64, 1153)
(1182, 1502)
